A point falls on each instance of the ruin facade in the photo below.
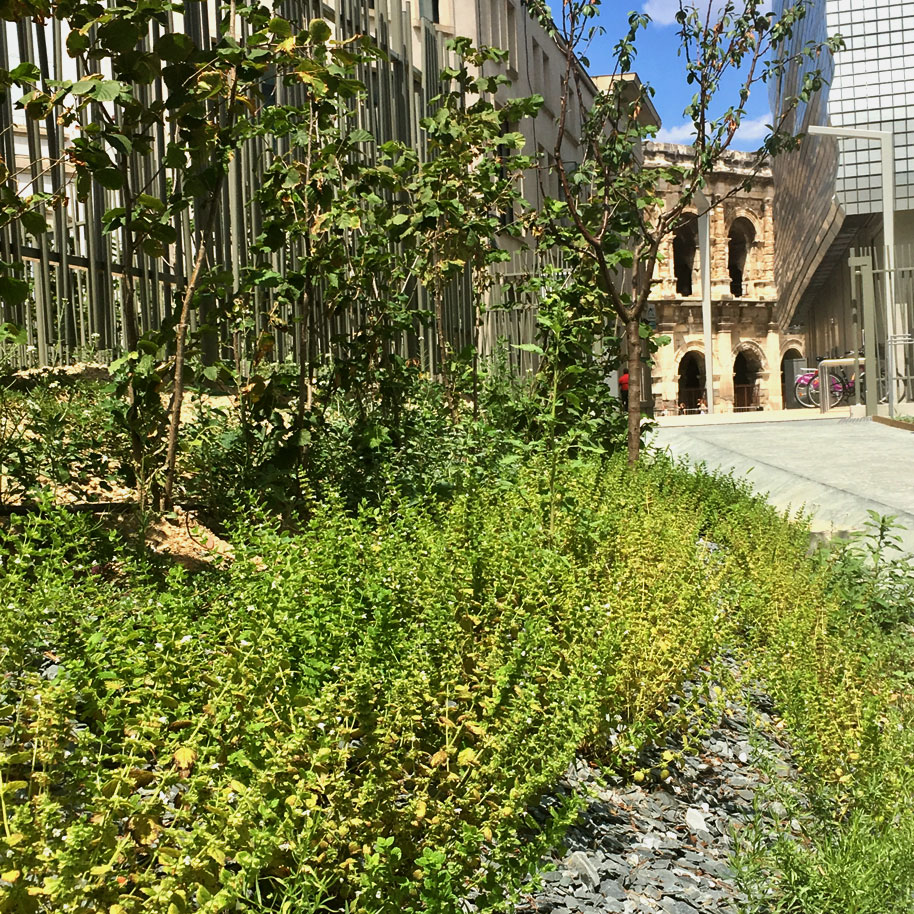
(749, 342)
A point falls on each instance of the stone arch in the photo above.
(749, 370)
(685, 247)
(795, 344)
(741, 237)
(742, 212)
(755, 352)
(690, 371)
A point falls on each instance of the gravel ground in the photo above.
(663, 848)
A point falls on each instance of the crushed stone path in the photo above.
(664, 849)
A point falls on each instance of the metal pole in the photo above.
(704, 249)
(888, 222)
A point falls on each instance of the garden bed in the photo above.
(363, 715)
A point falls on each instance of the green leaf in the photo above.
(113, 218)
(77, 43)
(280, 27)
(12, 292)
(175, 47)
(360, 136)
(119, 142)
(26, 72)
(34, 222)
(118, 35)
(100, 90)
(164, 232)
(319, 32)
(153, 247)
(84, 86)
(150, 202)
(109, 90)
(112, 178)
(529, 347)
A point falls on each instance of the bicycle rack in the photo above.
(824, 388)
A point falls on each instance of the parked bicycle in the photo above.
(841, 388)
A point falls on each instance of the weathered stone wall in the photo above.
(747, 321)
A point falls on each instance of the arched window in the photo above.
(742, 235)
(685, 243)
(691, 381)
(746, 368)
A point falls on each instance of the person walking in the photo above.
(623, 389)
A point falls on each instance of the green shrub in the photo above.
(358, 716)
(61, 439)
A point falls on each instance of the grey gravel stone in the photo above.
(695, 819)
(663, 849)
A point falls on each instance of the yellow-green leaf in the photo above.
(467, 757)
(185, 758)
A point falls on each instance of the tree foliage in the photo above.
(612, 215)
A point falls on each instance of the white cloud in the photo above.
(663, 12)
(683, 133)
(753, 129)
(751, 132)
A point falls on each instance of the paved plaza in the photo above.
(836, 469)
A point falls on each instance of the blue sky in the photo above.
(657, 63)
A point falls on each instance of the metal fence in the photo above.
(77, 271)
(886, 299)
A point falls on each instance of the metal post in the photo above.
(704, 249)
(863, 267)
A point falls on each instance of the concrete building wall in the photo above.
(829, 193)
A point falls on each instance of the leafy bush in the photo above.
(59, 438)
(358, 716)
(814, 628)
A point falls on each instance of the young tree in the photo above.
(466, 193)
(613, 209)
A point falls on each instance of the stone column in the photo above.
(664, 371)
(773, 354)
(727, 332)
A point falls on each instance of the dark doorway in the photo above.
(790, 364)
(742, 235)
(691, 381)
(746, 367)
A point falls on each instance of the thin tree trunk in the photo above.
(131, 340)
(305, 331)
(633, 346)
(443, 352)
(177, 397)
(477, 332)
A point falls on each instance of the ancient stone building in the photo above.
(748, 344)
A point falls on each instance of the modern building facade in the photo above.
(828, 199)
(76, 269)
(748, 342)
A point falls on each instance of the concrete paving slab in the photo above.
(835, 470)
